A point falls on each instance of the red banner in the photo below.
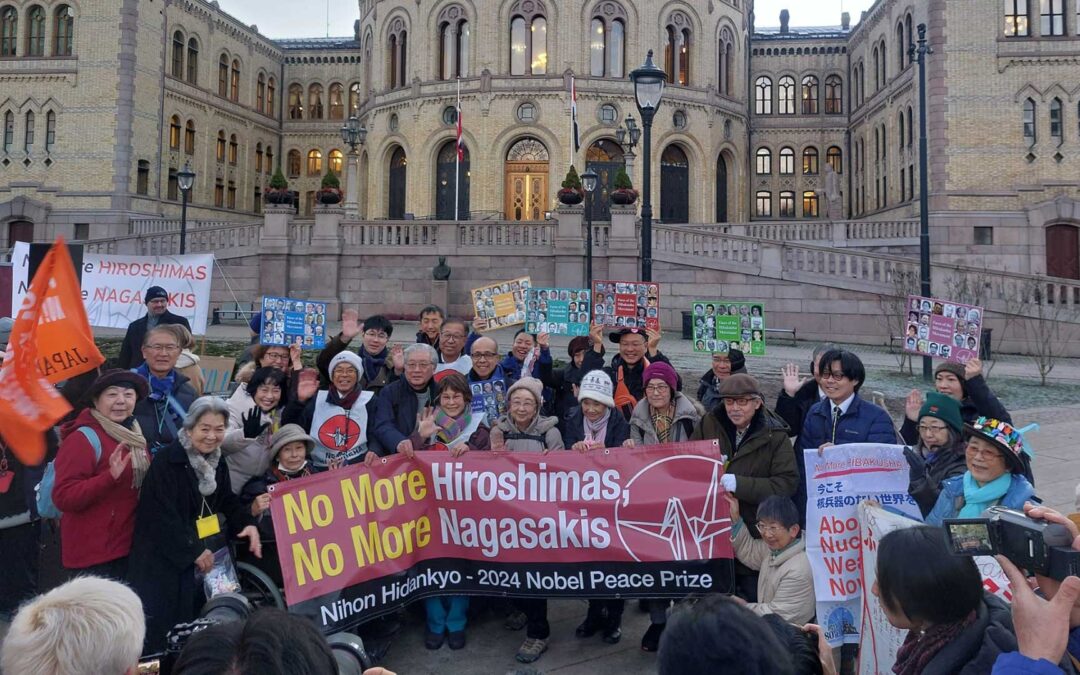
(647, 522)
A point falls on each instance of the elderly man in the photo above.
(486, 369)
(161, 414)
(157, 314)
(398, 404)
(452, 342)
(637, 348)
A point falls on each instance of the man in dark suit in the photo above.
(157, 313)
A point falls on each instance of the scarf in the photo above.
(596, 432)
(373, 363)
(450, 427)
(160, 387)
(662, 421)
(134, 440)
(978, 499)
(347, 401)
(205, 466)
(920, 648)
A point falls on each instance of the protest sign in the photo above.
(289, 321)
(648, 522)
(503, 304)
(489, 398)
(838, 480)
(626, 304)
(943, 329)
(720, 326)
(558, 311)
(217, 373)
(113, 286)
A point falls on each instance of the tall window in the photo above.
(231, 201)
(901, 46)
(1029, 121)
(189, 138)
(607, 45)
(219, 193)
(174, 133)
(677, 49)
(1052, 15)
(354, 99)
(726, 74)
(903, 135)
(9, 30)
(223, 76)
(193, 61)
(875, 61)
(337, 101)
(220, 148)
(50, 131)
(260, 93)
(234, 81)
(9, 130)
(1056, 126)
(810, 161)
(296, 102)
(763, 204)
(528, 39)
(173, 189)
(28, 139)
(142, 177)
(809, 204)
(883, 64)
(835, 158)
(269, 160)
(810, 95)
(787, 161)
(314, 162)
(35, 38)
(763, 96)
(397, 45)
(292, 165)
(764, 161)
(178, 54)
(785, 95)
(234, 149)
(335, 160)
(315, 104)
(453, 47)
(834, 95)
(271, 91)
(787, 204)
(910, 129)
(258, 158)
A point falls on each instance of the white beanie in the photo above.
(347, 357)
(596, 385)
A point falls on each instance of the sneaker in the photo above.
(611, 634)
(433, 641)
(456, 640)
(515, 620)
(589, 627)
(531, 649)
(650, 642)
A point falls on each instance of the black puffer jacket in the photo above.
(926, 476)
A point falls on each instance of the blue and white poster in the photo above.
(290, 321)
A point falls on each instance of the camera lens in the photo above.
(226, 608)
(349, 652)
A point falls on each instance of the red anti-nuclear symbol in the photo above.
(339, 433)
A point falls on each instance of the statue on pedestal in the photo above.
(834, 207)
(441, 271)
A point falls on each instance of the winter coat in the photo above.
(247, 457)
(793, 409)
(763, 464)
(541, 368)
(542, 434)
(978, 402)
(617, 433)
(335, 346)
(18, 504)
(260, 485)
(951, 499)
(303, 413)
(396, 409)
(631, 374)
(131, 347)
(162, 563)
(925, 486)
(708, 391)
(977, 647)
(99, 511)
(188, 366)
(562, 383)
(785, 581)
(160, 420)
(687, 416)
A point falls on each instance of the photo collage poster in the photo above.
(942, 329)
(626, 304)
(502, 304)
(489, 399)
(720, 325)
(289, 321)
(558, 311)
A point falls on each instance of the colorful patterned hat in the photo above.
(1003, 435)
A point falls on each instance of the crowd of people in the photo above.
(154, 479)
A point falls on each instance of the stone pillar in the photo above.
(570, 247)
(624, 250)
(274, 249)
(628, 158)
(839, 233)
(440, 294)
(352, 186)
(324, 262)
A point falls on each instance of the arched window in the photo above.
(314, 162)
(28, 138)
(336, 160)
(877, 70)
(1029, 121)
(269, 160)
(193, 61)
(724, 77)
(315, 104)
(910, 129)
(883, 63)
(809, 204)
(607, 41)
(9, 30)
(174, 133)
(763, 96)
(764, 162)
(763, 204)
(1056, 126)
(35, 37)
(354, 99)
(834, 95)
(901, 47)
(337, 101)
(453, 47)
(271, 91)
(785, 95)
(178, 54)
(189, 138)
(903, 131)
(528, 38)
(835, 158)
(234, 149)
(220, 148)
(787, 161)
(292, 166)
(296, 102)
(909, 39)
(396, 53)
(260, 93)
(677, 49)
(810, 95)
(223, 76)
(258, 158)
(787, 204)
(9, 130)
(810, 161)
(1016, 18)
(234, 86)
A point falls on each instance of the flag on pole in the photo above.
(460, 138)
(573, 116)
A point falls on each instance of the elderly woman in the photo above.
(263, 356)
(255, 412)
(100, 467)
(185, 505)
(724, 364)
(939, 453)
(994, 475)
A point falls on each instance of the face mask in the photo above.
(282, 468)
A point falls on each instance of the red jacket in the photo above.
(99, 512)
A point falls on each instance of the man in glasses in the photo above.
(157, 314)
(453, 337)
(399, 403)
(161, 414)
(486, 369)
(382, 364)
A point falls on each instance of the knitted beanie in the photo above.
(943, 407)
(596, 385)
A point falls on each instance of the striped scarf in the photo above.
(662, 421)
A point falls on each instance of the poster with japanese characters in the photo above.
(502, 304)
(720, 326)
(558, 311)
(289, 321)
(943, 329)
(626, 304)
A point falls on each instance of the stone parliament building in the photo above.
(779, 135)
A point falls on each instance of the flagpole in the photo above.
(457, 154)
(573, 95)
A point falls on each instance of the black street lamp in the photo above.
(589, 180)
(353, 134)
(919, 52)
(648, 90)
(628, 134)
(185, 179)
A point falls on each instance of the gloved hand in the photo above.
(915, 461)
(728, 481)
(253, 423)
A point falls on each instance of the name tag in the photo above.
(207, 526)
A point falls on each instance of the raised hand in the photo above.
(296, 357)
(913, 404)
(350, 324)
(307, 386)
(596, 332)
(397, 358)
(654, 336)
(252, 423)
(479, 325)
(426, 423)
(973, 368)
(792, 381)
(544, 340)
(118, 461)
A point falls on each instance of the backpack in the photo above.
(45, 506)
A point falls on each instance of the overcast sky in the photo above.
(278, 18)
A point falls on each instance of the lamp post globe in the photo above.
(589, 181)
(185, 180)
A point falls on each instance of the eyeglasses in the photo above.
(931, 428)
(345, 370)
(739, 402)
(421, 365)
(657, 389)
(988, 453)
(828, 375)
(376, 335)
(453, 336)
(483, 355)
(166, 349)
(275, 356)
(769, 529)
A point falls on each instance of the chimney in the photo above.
(845, 20)
(785, 17)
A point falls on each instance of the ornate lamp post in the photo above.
(628, 134)
(353, 134)
(185, 179)
(919, 53)
(589, 179)
(648, 90)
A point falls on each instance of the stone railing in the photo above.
(508, 234)
(227, 241)
(836, 234)
(170, 225)
(712, 248)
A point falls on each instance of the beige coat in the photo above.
(785, 583)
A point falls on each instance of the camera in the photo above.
(1037, 546)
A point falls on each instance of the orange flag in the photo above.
(50, 341)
